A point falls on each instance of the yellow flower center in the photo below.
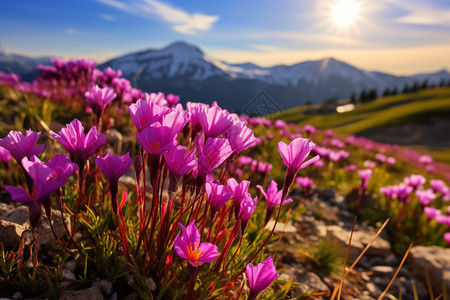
(192, 252)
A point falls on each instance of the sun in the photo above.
(344, 13)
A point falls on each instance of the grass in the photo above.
(403, 108)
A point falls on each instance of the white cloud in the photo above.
(423, 13)
(180, 20)
(108, 17)
(70, 31)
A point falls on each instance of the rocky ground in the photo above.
(326, 217)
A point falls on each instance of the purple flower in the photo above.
(391, 161)
(369, 164)
(187, 245)
(172, 99)
(247, 207)
(98, 98)
(240, 137)
(365, 176)
(425, 196)
(212, 154)
(174, 120)
(47, 178)
(431, 212)
(21, 146)
(114, 166)
(179, 161)
(260, 276)
(5, 156)
(402, 192)
(156, 138)
(415, 181)
(216, 195)
(295, 154)
(273, 196)
(214, 121)
(305, 183)
(447, 237)
(79, 145)
(439, 186)
(309, 129)
(143, 113)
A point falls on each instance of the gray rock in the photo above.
(104, 286)
(91, 293)
(434, 261)
(113, 297)
(289, 228)
(10, 233)
(360, 238)
(68, 274)
(383, 270)
(15, 222)
(71, 265)
(391, 260)
(5, 208)
(17, 296)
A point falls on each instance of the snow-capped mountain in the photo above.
(22, 65)
(185, 69)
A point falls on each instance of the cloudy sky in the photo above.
(396, 36)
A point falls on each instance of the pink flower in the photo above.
(98, 98)
(174, 120)
(212, 154)
(179, 161)
(431, 212)
(5, 156)
(79, 145)
(273, 196)
(309, 129)
(260, 276)
(21, 146)
(425, 196)
(415, 181)
(156, 138)
(439, 186)
(447, 237)
(247, 207)
(172, 99)
(217, 195)
(47, 178)
(240, 137)
(214, 121)
(187, 245)
(426, 159)
(143, 113)
(305, 183)
(295, 154)
(365, 176)
(369, 164)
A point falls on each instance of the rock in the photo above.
(68, 274)
(15, 222)
(71, 265)
(360, 238)
(391, 260)
(104, 286)
(281, 227)
(10, 233)
(434, 261)
(92, 293)
(5, 208)
(384, 270)
(311, 282)
(132, 297)
(113, 297)
(17, 296)
(151, 284)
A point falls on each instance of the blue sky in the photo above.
(396, 36)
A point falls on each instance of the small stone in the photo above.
(104, 286)
(113, 297)
(10, 233)
(281, 227)
(391, 260)
(17, 296)
(151, 283)
(387, 270)
(373, 290)
(71, 266)
(365, 277)
(68, 274)
(91, 293)
(132, 297)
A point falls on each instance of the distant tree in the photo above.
(363, 96)
(424, 84)
(386, 92)
(443, 83)
(406, 89)
(394, 91)
(372, 95)
(415, 87)
(308, 103)
(353, 98)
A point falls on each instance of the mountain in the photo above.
(24, 66)
(184, 69)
